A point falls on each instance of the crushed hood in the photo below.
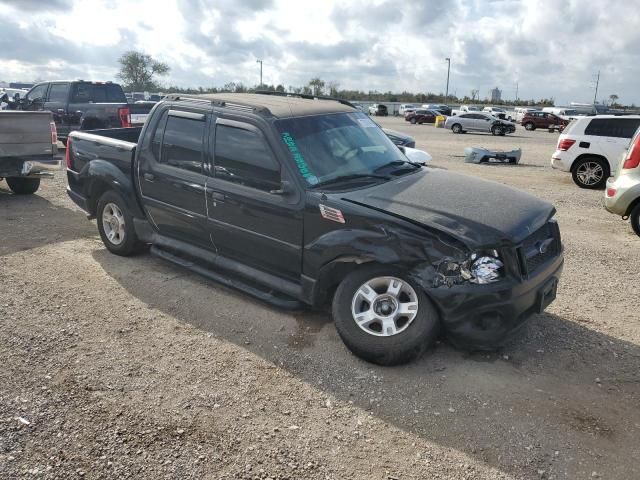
(477, 212)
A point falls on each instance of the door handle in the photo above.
(149, 177)
(218, 196)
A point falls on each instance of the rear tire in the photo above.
(413, 121)
(590, 173)
(456, 128)
(115, 225)
(529, 126)
(405, 338)
(23, 186)
(634, 217)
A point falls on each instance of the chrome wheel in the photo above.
(113, 223)
(590, 173)
(384, 306)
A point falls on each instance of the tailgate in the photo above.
(25, 133)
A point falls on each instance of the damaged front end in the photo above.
(479, 268)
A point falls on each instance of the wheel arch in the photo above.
(631, 206)
(104, 176)
(583, 156)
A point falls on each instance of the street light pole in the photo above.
(260, 62)
(595, 95)
(446, 95)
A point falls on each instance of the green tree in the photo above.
(614, 98)
(137, 71)
(317, 85)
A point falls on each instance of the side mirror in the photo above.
(284, 190)
(416, 156)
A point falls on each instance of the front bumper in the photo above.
(483, 317)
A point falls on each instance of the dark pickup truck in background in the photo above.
(307, 202)
(83, 105)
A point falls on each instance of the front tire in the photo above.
(456, 128)
(590, 173)
(529, 126)
(115, 225)
(413, 121)
(497, 130)
(383, 317)
(23, 186)
(634, 217)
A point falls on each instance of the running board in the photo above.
(275, 299)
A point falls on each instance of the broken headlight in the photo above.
(485, 268)
(480, 268)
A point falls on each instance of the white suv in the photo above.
(591, 147)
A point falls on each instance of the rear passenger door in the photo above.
(615, 135)
(250, 220)
(172, 179)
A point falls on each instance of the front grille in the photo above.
(540, 247)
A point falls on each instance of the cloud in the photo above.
(549, 49)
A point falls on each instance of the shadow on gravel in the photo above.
(561, 399)
(31, 221)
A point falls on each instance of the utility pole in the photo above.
(260, 62)
(595, 96)
(446, 95)
(516, 91)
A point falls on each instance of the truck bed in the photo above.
(113, 145)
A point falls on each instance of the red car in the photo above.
(422, 116)
(533, 120)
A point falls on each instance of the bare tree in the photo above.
(614, 98)
(333, 87)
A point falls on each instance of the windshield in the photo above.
(328, 147)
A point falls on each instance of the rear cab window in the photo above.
(86, 92)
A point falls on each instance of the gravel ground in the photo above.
(134, 368)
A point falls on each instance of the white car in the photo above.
(521, 111)
(406, 108)
(498, 112)
(591, 147)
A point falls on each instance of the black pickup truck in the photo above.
(82, 105)
(307, 202)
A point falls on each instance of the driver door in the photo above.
(35, 98)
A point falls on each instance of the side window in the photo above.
(58, 92)
(182, 143)
(156, 140)
(629, 127)
(38, 93)
(244, 157)
(81, 93)
(599, 127)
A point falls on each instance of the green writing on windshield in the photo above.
(299, 159)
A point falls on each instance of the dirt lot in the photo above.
(134, 368)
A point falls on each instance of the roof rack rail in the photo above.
(305, 95)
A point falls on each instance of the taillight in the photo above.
(611, 192)
(633, 157)
(67, 154)
(125, 117)
(565, 144)
(54, 133)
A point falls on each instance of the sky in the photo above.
(548, 48)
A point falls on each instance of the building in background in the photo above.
(496, 95)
